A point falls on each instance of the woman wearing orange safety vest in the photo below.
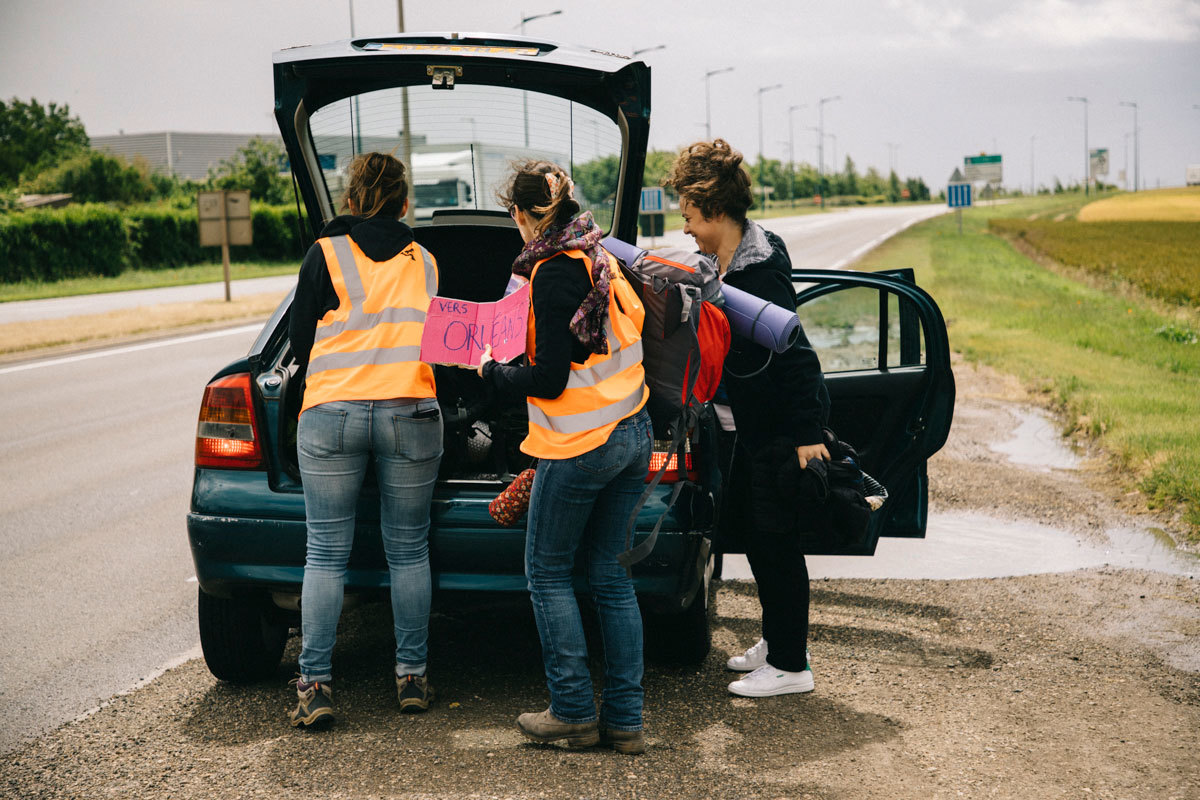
(356, 324)
(585, 389)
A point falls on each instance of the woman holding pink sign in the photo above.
(586, 392)
(356, 324)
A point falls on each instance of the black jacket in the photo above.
(379, 239)
(780, 395)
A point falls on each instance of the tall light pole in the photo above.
(1136, 161)
(1032, 182)
(525, 95)
(892, 148)
(821, 142)
(1087, 154)
(762, 160)
(707, 114)
(1125, 140)
(641, 50)
(792, 154)
(833, 136)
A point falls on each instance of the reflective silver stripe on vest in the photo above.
(358, 320)
(362, 358)
(618, 361)
(588, 420)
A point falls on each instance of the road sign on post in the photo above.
(652, 212)
(984, 168)
(225, 220)
(1098, 159)
(958, 196)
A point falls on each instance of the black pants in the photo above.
(774, 551)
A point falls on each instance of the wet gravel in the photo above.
(1082, 685)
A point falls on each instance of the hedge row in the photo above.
(94, 239)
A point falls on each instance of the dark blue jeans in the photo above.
(585, 502)
(334, 441)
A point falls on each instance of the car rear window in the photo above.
(464, 141)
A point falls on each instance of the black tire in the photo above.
(241, 643)
(684, 638)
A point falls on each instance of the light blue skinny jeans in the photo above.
(334, 441)
(585, 502)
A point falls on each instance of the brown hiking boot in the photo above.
(544, 727)
(315, 709)
(414, 692)
(628, 742)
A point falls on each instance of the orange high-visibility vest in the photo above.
(601, 391)
(369, 347)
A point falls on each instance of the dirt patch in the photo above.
(1083, 685)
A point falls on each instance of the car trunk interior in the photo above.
(482, 432)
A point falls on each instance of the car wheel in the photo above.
(240, 643)
(686, 637)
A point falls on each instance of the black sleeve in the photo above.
(559, 288)
(796, 372)
(314, 288)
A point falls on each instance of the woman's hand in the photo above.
(808, 452)
(487, 356)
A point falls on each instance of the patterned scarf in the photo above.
(581, 233)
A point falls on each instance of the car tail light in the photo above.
(227, 433)
(659, 455)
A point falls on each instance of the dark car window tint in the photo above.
(464, 141)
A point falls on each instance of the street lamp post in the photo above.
(1137, 182)
(707, 114)
(821, 142)
(792, 154)
(833, 136)
(1032, 183)
(892, 148)
(1125, 141)
(1087, 154)
(525, 95)
(762, 161)
(639, 51)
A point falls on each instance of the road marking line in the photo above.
(133, 348)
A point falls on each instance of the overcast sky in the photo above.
(941, 79)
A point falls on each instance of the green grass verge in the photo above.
(1111, 362)
(141, 279)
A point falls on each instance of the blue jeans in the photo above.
(334, 441)
(586, 501)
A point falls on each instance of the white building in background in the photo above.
(184, 155)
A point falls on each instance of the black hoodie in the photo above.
(379, 239)
(786, 399)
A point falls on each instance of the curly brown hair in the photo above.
(710, 176)
(377, 185)
(529, 190)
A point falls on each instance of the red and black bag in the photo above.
(685, 338)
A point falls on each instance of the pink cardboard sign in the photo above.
(457, 331)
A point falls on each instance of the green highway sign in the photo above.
(983, 168)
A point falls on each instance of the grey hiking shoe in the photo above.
(544, 727)
(414, 692)
(315, 709)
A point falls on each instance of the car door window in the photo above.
(863, 328)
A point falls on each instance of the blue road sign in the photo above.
(652, 200)
(958, 195)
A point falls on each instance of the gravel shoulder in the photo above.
(1083, 684)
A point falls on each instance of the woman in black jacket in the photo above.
(779, 405)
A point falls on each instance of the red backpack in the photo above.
(685, 338)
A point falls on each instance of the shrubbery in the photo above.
(94, 239)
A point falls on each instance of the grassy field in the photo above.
(141, 279)
(1163, 205)
(1125, 369)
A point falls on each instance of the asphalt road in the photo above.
(96, 472)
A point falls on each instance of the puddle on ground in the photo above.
(1036, 443)
(973, 545)
(965, 545)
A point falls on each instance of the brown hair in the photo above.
(710, 176)
(377, 185)
(529, 190)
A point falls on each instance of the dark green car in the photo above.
(459, 109)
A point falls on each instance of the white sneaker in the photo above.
(766, 681)
(751, 660)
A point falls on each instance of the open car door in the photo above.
(883, 348)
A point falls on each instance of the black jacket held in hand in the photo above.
(379, 239)
(788, 397)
